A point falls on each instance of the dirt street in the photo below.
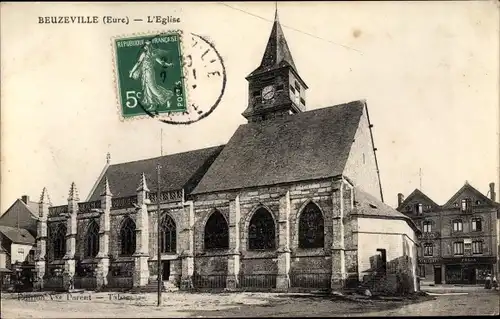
(181, 304)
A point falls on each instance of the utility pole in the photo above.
(158, 167)
(161, 142)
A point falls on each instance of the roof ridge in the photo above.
(184, 168)
(305, 113)
(416, 192)
(163, 156)
(460, 190)
(324, 135)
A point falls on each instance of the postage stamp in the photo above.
(174, 77)
(150, 74)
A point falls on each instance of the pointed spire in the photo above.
(276, 19)
(277, 53)
(106, 190)
(44, 197)
(73, 193)
(142, 184)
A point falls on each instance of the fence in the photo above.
(120, 282)
(85, 282)
(312, 281)
(55, 282)
(209, 281)
(262, 281)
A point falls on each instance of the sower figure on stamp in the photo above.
(153, 95)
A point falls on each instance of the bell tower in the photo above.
(275, 88)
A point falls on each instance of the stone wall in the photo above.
(335, 261)
(361, 164)
(285, 203)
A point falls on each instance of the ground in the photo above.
(444, 301)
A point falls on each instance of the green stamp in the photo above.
(150, 74)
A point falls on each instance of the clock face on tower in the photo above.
(268, 92)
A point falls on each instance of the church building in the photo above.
(293, 200)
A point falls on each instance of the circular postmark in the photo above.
(175, 94)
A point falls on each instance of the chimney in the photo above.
(25, 199)
(400, 199)
(492, 192)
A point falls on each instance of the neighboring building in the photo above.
(18, 243)
(4, 260)
(18, 227)
(459, 241)
(5, 272)
(23, 213)
(292, 200)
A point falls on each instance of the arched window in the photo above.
(58, 239)
(311, 227)
(167, 235)
(92, 240)
(261, 231)
(127, 236)
(216, 232)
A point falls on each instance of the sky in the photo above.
(428, 71)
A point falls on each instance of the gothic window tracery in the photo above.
(168, 235)
(58, 240)
(262, 231)
(311, 227)
(127, 237)
(92, 240)
(216, 232)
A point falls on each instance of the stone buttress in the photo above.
(41, 239)
(141, 256)
(104, 232)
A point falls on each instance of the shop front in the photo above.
(468, 270)
(431, 270)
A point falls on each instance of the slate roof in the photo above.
(369, 206)
(419, 193)
(33, 207)
(473, 190)
(277, 53)
(178, 171)
(309, 145)
(22, 214)
(450, 202)
(17, 235)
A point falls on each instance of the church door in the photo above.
(166, 270)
